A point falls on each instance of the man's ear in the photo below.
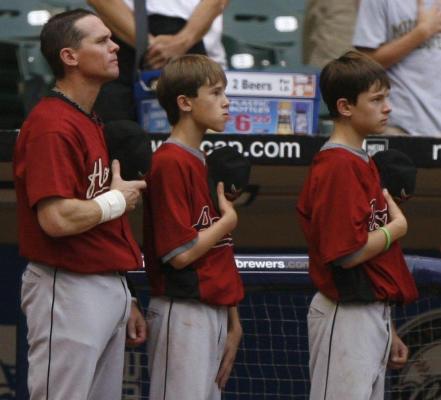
(184, 103)
(344, 107)
(68, 56)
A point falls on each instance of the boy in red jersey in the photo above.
(73, 226)
(195, 286)
(352, 227)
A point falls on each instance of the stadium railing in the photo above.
(272, 362)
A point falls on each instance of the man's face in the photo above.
(371, 113)
(210, 107)
(96, 55)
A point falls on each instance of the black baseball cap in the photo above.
(227, 165)
(397, 173)
(130, 144)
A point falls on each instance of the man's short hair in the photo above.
(348, 76)
(184, 75)
(60, 32)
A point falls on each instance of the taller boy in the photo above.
(351, 227)
(194, 323)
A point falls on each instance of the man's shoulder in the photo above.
(48, 110)
(51, 116)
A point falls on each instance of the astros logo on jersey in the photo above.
(205, 221)
(97, 179)
(377, 218)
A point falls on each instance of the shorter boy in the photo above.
(351, 227)
(195, 286)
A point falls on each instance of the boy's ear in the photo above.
(68, 56)
(344, 107)
(184, 103)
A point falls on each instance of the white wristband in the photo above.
(112, 204)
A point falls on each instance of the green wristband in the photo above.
(388, 237)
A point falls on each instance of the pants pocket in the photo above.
(320, 306)
(31, 280)
(31, 274)
(315, 312)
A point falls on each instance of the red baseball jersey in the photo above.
(61, 152)
(177, 207)
(341, 202)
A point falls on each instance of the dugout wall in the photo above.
(272, 362)
(267, 225)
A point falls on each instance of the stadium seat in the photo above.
(16, 22)
(261, 24)
(262, 56)
(24, 74)
(35, 74)
(31, 62)
(11, 104)
(14, 19)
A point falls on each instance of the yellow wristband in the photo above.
(388, 237)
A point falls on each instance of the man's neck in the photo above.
(81, 93)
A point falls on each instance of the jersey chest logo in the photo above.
(98, 179)
(205, 221)
(377, 218)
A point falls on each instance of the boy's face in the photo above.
(96, 57)
(371, 112)
(210, 107)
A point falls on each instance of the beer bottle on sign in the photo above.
(284, 120)
(301, 119)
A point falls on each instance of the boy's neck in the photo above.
(345, 134)
(187, 133)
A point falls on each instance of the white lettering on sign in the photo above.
(266, 84)
(436, 151)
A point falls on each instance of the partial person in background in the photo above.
(73, 226)
(176, 27)
(327, 30)
(404, 36)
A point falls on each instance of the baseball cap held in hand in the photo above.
(397, 173)
(227, 165)
(130, 144)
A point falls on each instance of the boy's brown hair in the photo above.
(184, 75)
(348, 76)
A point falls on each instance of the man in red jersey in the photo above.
(73, 227)
(352, 226)
(195, 286)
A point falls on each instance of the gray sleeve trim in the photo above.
(179, 250)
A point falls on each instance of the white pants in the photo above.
(76, 333)
(185, 348)
(349, 348)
